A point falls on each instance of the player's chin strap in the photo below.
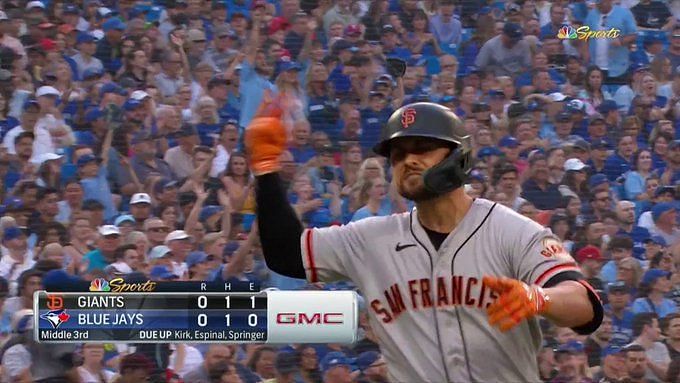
(450, 174)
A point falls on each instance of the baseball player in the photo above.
(454, 288)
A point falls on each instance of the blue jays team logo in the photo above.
(56, 317)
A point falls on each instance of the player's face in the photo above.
(410, 158)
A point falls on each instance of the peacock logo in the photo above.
(100, 284)
(567, 33)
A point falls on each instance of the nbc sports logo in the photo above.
(100, 284)
(567, 33)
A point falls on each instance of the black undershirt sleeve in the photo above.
(598, 310)
(280, 228)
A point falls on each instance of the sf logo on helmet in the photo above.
(408, 117)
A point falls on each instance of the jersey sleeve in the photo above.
(329, 254)
(539, 256)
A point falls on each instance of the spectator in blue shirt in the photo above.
(635, 179)
(538, 189)
(254, 76)
(390, 45)
(618, 296)
(93, 177)
(657, 283)
(621, 161)
(373, 197)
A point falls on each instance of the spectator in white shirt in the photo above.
(15, 259)
(29, 119)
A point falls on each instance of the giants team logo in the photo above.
(552, 248)
(56, 317)
(408, 117)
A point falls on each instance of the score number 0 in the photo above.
(202, 319)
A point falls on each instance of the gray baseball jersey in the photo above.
(428, 307)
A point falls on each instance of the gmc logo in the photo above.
(311, 318)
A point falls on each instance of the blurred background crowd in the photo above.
(122, 126)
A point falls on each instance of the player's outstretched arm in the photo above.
(567, 304)
(279, 226)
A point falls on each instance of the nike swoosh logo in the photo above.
(401, 247)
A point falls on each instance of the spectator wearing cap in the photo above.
(222, 50)
(538, 189)
(335, 367)
(390, 44)
(93, 177)
(599, 151)
(569, 363)
(670, 175)
(180, 244)
(179, 158)
(107, 243)
(144, 161)
(198, 265)
(597, 128)
(612, 364)
(574, 182)
(619, 299)
(664, 215)
(614, 60)
(647, 335)
(196, 43)
(84, 59)
(108, 48)
(140, 208)
(621, 161)
(174, 73)
(656, 284)
(254, 76)
(32, 112)
(591, 261)
(506, 54)
(372, 366)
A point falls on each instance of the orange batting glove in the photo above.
(517, 302)
(265, 139)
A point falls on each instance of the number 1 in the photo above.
(252, 300)
(228, 316)
(228, 301)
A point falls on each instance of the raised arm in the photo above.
(279, 227)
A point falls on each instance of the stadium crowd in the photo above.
(122, 131)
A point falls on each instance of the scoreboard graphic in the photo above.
(102, 316)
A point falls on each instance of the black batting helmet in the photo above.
(430, 120)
